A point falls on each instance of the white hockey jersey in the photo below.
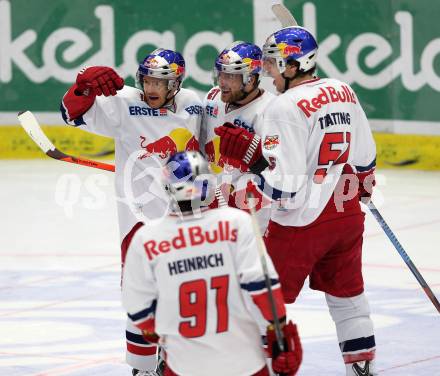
(144, 139)
(309, 133)
(189, 275)
(248, 117)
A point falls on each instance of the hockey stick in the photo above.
(262, 251)
(284, 15)
(403, 254)
(32, 127)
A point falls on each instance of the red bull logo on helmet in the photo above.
(151, 62)
(225, 58)
(179, 70)
(252, 64)
(287, 50)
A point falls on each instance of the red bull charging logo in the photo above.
(287, 50)
(178, 139)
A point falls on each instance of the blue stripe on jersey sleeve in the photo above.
(144, 313)
(257, 286)
(136, 338)
(366, 168)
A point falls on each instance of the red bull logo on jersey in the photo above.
(271, 142)
(326, 95)
(179, 139)
(164, 147)
(191, 237)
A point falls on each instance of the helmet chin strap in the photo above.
(244, 95)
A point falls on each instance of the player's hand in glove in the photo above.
(366, 183)
(287, 362)
(90, 82)
(98, 81)
(239, 147)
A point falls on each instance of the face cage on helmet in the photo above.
(271, 51)
(242, 69)
(199, 192)
(174, 81)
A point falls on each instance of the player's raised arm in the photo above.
(82, 98)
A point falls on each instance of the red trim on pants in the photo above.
(263, 372)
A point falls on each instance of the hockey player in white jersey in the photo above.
(237, 100)
(185, 278)
(148, 124)
(323, 157)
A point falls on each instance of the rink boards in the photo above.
(403, 151)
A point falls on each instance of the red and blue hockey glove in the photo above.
(288, 361)
(98, 81)
(90, 82)
(239, 147)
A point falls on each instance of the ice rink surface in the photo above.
(60, 311)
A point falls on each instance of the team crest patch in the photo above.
(271, 142)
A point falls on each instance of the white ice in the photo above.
(60, 311)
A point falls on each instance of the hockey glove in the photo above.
(90, 82)
(239, 147)
(98, 81)
(366, 183)
(287, 362)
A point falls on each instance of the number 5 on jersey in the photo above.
(193, 298)
(334, 149)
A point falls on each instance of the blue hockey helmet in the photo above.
(239, 58)
(292, 44)
(165, 64)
